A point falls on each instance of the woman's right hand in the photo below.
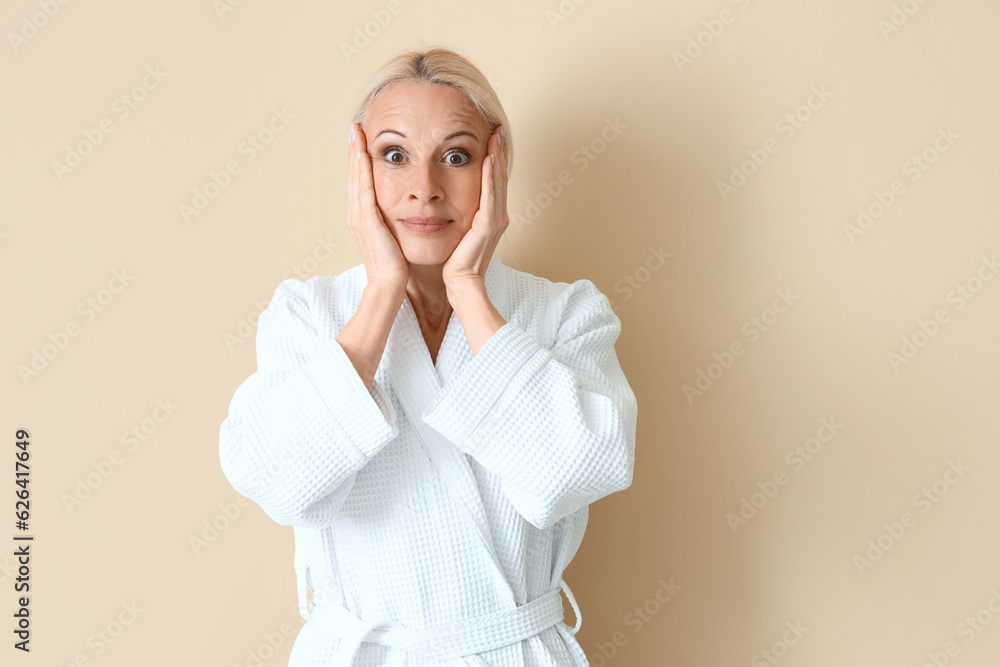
(384, 261)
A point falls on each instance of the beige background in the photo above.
(173, 332)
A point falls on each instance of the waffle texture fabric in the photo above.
(453, 492)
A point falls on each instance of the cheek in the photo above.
(466, 188)
(388, 186)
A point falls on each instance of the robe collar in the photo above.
(406, 342)
(416, 383)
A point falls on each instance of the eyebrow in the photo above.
(448, 138)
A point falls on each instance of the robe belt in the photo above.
(460, 641)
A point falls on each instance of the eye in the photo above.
(393, 154)
(459, 153)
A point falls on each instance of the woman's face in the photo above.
(427, 144)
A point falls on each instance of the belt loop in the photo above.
(350, 641)
(576, 609)
(301, 576)
(303, 599)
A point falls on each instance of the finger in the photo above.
(351, 177)
(496, 169)
(504, 160)
(500, 189)
(496, 148)
(352, 151)
(486, 187)
(366, 182)
(356, 195)
(498, 166)
(350, 145)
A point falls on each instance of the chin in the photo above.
(428, 250)
(427, 253)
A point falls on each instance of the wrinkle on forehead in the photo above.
(424, 112)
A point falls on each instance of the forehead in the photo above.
(422, 109)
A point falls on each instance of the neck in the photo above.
(427, 293)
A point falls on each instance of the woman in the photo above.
(432, 423)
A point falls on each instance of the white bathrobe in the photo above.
(430, 510)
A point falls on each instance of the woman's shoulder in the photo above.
(335, 295)
(346, 281)
(562, 309)
(553, 292)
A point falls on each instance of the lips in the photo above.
(425, 224)
(422, 220)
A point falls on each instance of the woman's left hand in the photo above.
(472, 256)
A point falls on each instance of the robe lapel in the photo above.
(416, 382)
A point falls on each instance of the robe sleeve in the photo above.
(300, 428)
(557, 425)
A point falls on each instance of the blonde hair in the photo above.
(445, 67)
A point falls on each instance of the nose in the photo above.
(425, 185)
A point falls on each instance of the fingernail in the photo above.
(350, 135)
(503, 133)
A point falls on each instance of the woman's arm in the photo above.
(300, 428)
(365, 335)
(557, 426)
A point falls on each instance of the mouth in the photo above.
(425, 225)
